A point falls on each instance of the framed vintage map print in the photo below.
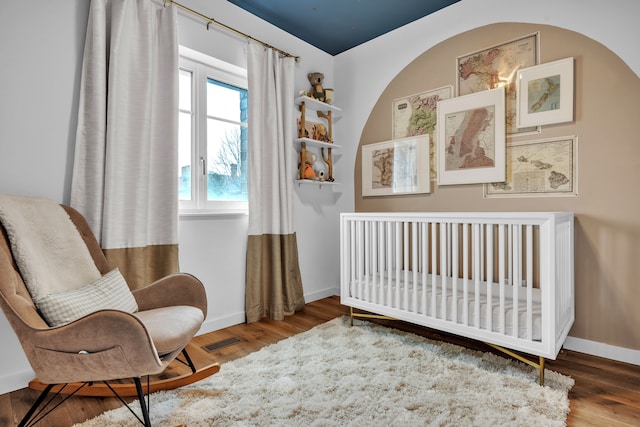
(545, 94)
(545, 168)
(496, 66)
(399, 166)
(417, 115)
(471, 135)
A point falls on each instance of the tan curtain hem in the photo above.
(143, 265)
(274, 284)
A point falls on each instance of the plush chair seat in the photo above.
(171, 328)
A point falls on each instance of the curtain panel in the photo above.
(125, 168)
(273, 282)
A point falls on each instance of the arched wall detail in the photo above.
(607, 243)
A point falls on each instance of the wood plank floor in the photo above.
(606, 393)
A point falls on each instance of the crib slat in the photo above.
(405, 266)
(352, 257)
(434, 266)
(360, 255)
(389, 269)
(367, 260)
(529, 269)
(424, 242)
(455, 265)
(517, 277)
(510, 253)
(380, 267)
(361, 260)
(502, 273)
(373, 257)
(465, 274)
(414, 265)
(490, 278)
(476, 275)
(443, 269)
(398, 263)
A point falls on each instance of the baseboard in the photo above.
(218, 323)
(211, 325)
(606, 351)
(16, 381)
(324, 293)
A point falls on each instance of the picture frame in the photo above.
(472, 141)
(417, 114)
(545, 93)
(495, 66)
(396, 167)
(542, 168)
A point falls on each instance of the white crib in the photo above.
(502, 278)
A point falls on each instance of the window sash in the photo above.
(203, 70)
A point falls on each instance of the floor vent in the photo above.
(220, 344)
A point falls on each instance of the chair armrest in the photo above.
(175, 289)
(104, 345)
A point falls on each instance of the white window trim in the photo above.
(197, 62)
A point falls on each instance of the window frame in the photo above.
(203, 67)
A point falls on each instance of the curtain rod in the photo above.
(228, 28)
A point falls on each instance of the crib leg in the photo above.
(353, 314)
(539, 366)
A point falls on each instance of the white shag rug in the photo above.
(366, 375)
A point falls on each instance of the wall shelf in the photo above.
(317, 183)
(314, 143)
(321, 141)
(314, 104)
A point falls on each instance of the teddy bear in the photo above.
(321, 133)
(316, 80)
(307, 171)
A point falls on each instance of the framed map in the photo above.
(545, 93)
(497, 66)
(544, 168)
(472, 138)
(417, 115)
(395, 167)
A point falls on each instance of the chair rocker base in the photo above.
(129, 389)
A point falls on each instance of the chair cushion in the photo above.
(171, 328)
(108, 292)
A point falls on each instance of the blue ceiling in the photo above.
(338, 25)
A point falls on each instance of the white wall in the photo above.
(41, 46)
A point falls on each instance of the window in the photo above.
(213, 135)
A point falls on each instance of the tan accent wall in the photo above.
(607, 208)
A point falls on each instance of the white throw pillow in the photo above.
(108, 292)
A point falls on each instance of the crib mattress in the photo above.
(385, 290)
